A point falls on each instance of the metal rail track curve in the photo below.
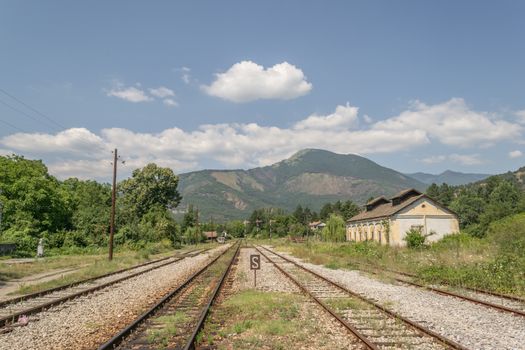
(120, 337)
(12, 316)
(438, 337)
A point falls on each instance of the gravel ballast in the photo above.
(318, 329)
(472, 325)
(88, 321)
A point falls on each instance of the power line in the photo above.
(11, 125)
(32, 108)
(20, 111)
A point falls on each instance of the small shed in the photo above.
(210, 235)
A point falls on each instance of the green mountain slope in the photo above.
(449, 177)
(309, 178)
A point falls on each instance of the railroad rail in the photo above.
(36, 302)
(374, 325)
(492, 300)
(175, 320)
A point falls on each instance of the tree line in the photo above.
(479, 204)
(75, 213)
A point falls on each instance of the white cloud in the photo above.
(131, 94)
(170, 102)
(521, 116)
(434, 159)
(367, 119)
(162, 92)
(75, 141)
(463, 159)
(136, 94)
(343, 117)
(466, 159)
(76, 151)
(247, 81)
(453, 123)
(515, 154)
(186, 77)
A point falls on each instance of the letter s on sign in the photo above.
(255, 262)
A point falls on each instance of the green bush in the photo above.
(334, 231)
(414, 238)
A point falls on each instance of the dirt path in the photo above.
(7, 287)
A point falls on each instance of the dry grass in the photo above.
(88, 266)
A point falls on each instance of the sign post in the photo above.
(255, 264)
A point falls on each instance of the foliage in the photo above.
(149, 187)
(414, 238)
(480, 204)
(193, 235)
(75, 213)
(33, 203)
(334, 231)
(190, 218)
(346, 210)
(302, 179)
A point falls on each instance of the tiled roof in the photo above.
(385, 210)
(405, 192)
(210, 234)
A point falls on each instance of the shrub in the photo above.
(334, 230)
(414, 238)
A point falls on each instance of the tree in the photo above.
(190, 218)
(90, 203)
(349, 209)
(326, 210)
(334, 231)
(148, 187)
(146, 200)
(33, 204)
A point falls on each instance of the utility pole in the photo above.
(113, 200)
(1, 212)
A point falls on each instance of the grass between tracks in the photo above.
(88, 265)
(253, 319)
(495, 262)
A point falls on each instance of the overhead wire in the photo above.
(11, 125)
(23, 113)
(33, 109)
(49, 119)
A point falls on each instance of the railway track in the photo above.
(374, 325)
(500, 302)
(12, 309)
(175, 321)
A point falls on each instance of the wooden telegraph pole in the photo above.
(113, 200)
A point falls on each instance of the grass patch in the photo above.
(496, 262)
(89, 266)
(254, 319)
(170, 328)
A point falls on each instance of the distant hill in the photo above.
(310, 178)
(449, 177)
(517, 177)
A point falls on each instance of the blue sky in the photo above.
(412, 85)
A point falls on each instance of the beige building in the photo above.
(387, 220)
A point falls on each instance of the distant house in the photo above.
(210, 235)
(316, 225)
(387, 220)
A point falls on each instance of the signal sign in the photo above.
(255, 262)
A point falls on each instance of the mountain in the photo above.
(517, 177)
(449, 177)
(310, 178)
